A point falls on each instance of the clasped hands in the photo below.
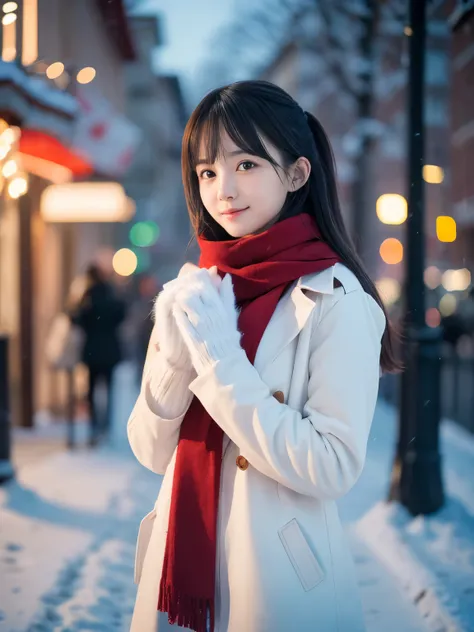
(196, 319)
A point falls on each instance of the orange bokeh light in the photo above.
(391, 251)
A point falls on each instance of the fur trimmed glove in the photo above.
(207, 318)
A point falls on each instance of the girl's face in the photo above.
(244, 193)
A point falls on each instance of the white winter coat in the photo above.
(283, 563)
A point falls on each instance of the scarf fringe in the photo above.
(188, 612)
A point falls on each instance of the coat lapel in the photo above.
(291, 315)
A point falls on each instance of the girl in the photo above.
(260, 383)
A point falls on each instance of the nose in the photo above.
(226, 189)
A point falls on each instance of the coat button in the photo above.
(242, 462)
(279, 396)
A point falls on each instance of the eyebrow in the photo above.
(236, 152)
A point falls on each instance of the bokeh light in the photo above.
(391, 251)
(433, 174)
(143, 234)
(9, 168)
(17, 187)
(446, 228)
(125, 262)
(432, 277)
(433, 317)
(8, 7)
(86, 75)
(391, 208)
(447, 305)
(55, 70)
(456, 280)
(9, 18)
(389, 290)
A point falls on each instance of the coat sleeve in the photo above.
(154, 424)
(319, 451)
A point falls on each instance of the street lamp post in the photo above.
(416, 479)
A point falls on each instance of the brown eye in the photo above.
(204, 174)
(247, 165)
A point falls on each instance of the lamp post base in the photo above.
(421, 485)
(416, 478)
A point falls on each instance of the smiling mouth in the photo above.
(233, 211)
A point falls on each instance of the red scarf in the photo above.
(262, 267)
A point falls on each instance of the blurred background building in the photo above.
(89, 149)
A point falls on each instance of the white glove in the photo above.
(207, 319)
(168, 373)
(168, 337)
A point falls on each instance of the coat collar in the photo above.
(292, 313)
(322, 282)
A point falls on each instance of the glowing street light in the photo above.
(392, 208)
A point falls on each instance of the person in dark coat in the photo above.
(99, 314)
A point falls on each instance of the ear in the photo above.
(299, 173)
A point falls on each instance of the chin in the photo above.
(237, 231)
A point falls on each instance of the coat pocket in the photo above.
(307, 567)
(143, 539)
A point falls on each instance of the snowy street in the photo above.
(69, 522)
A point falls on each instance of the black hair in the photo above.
(250, 111)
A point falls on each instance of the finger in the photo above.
(215, 277)
(183, 323)
(190, 304)
(226, 291)
(169, 285)
(163, 304)
(188, 268)
(176, 285)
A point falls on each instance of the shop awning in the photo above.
(46, 147)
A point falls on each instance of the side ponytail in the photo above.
(322, 183)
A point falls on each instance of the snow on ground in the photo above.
(432, 557)
(69, 522)
(67, 536)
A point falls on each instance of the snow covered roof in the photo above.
(38, 90)
(35, 104)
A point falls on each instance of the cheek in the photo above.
(205, 191)
(272, 194)
(209, 200)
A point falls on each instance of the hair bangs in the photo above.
(226, 117)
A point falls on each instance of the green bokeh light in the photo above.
(144, 234)
(143, 260)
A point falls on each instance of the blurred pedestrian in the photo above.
(99, 314)
(280, 336)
